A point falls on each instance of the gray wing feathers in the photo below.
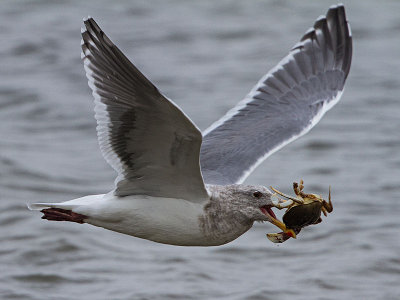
(284, 105)
(152, 145)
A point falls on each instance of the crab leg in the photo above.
(324, 211)
(301, 187)
(327, 207)
(282, 204)
(300, 201)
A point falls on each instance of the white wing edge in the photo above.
(326, 106)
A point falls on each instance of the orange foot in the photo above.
(58, 214)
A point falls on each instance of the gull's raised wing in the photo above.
(147, 139)
(285, 104)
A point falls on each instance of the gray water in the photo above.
(206, 55)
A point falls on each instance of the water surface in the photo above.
(205, 55)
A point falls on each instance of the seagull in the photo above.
(177, 185)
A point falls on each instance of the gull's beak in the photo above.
(274, 220)
(280, 204)
(282, 226)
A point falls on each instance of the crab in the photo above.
(302, 210)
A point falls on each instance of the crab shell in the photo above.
(300, 216)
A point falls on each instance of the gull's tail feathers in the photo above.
(59, 211)
(69, 205)
(39, 206)
(76, 210)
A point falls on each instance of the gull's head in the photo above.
(251, 202)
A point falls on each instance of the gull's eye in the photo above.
(257, 194)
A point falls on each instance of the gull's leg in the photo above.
(58, 214)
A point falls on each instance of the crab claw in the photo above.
(281, 236)
(277, 237)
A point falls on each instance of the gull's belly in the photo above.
(167, 220)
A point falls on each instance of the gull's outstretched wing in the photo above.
(147, 139)
(285, 104)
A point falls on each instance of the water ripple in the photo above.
(207, 55)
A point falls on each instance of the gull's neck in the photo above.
(221, 221)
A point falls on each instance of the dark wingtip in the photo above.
(336, 29)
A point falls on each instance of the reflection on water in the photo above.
(206, 56)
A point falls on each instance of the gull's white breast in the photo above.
(163, 220)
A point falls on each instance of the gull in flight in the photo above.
(178, 186)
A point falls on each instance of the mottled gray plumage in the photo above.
(232, 210)
(284, 104)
